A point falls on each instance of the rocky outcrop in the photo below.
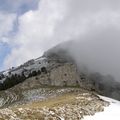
(65, 75)
(103, 84)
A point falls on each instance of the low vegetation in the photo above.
(67, 106)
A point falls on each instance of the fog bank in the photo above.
(99, 51)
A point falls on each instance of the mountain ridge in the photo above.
(53, 87)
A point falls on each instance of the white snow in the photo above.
(112, 112)
(31, 65)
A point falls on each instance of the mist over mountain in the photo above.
(98, 51)
(54, 22)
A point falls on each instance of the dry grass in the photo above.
(71, 105)
(66, 98)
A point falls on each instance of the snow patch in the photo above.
(112, 112)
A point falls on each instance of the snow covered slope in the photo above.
(112, 112)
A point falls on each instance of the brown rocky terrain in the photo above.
(64, 104)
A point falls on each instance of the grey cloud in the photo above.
(94, 5)
(98, 50)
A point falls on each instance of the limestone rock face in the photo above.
(61, 75)
(65, 75)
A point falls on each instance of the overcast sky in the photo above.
(30, 27)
